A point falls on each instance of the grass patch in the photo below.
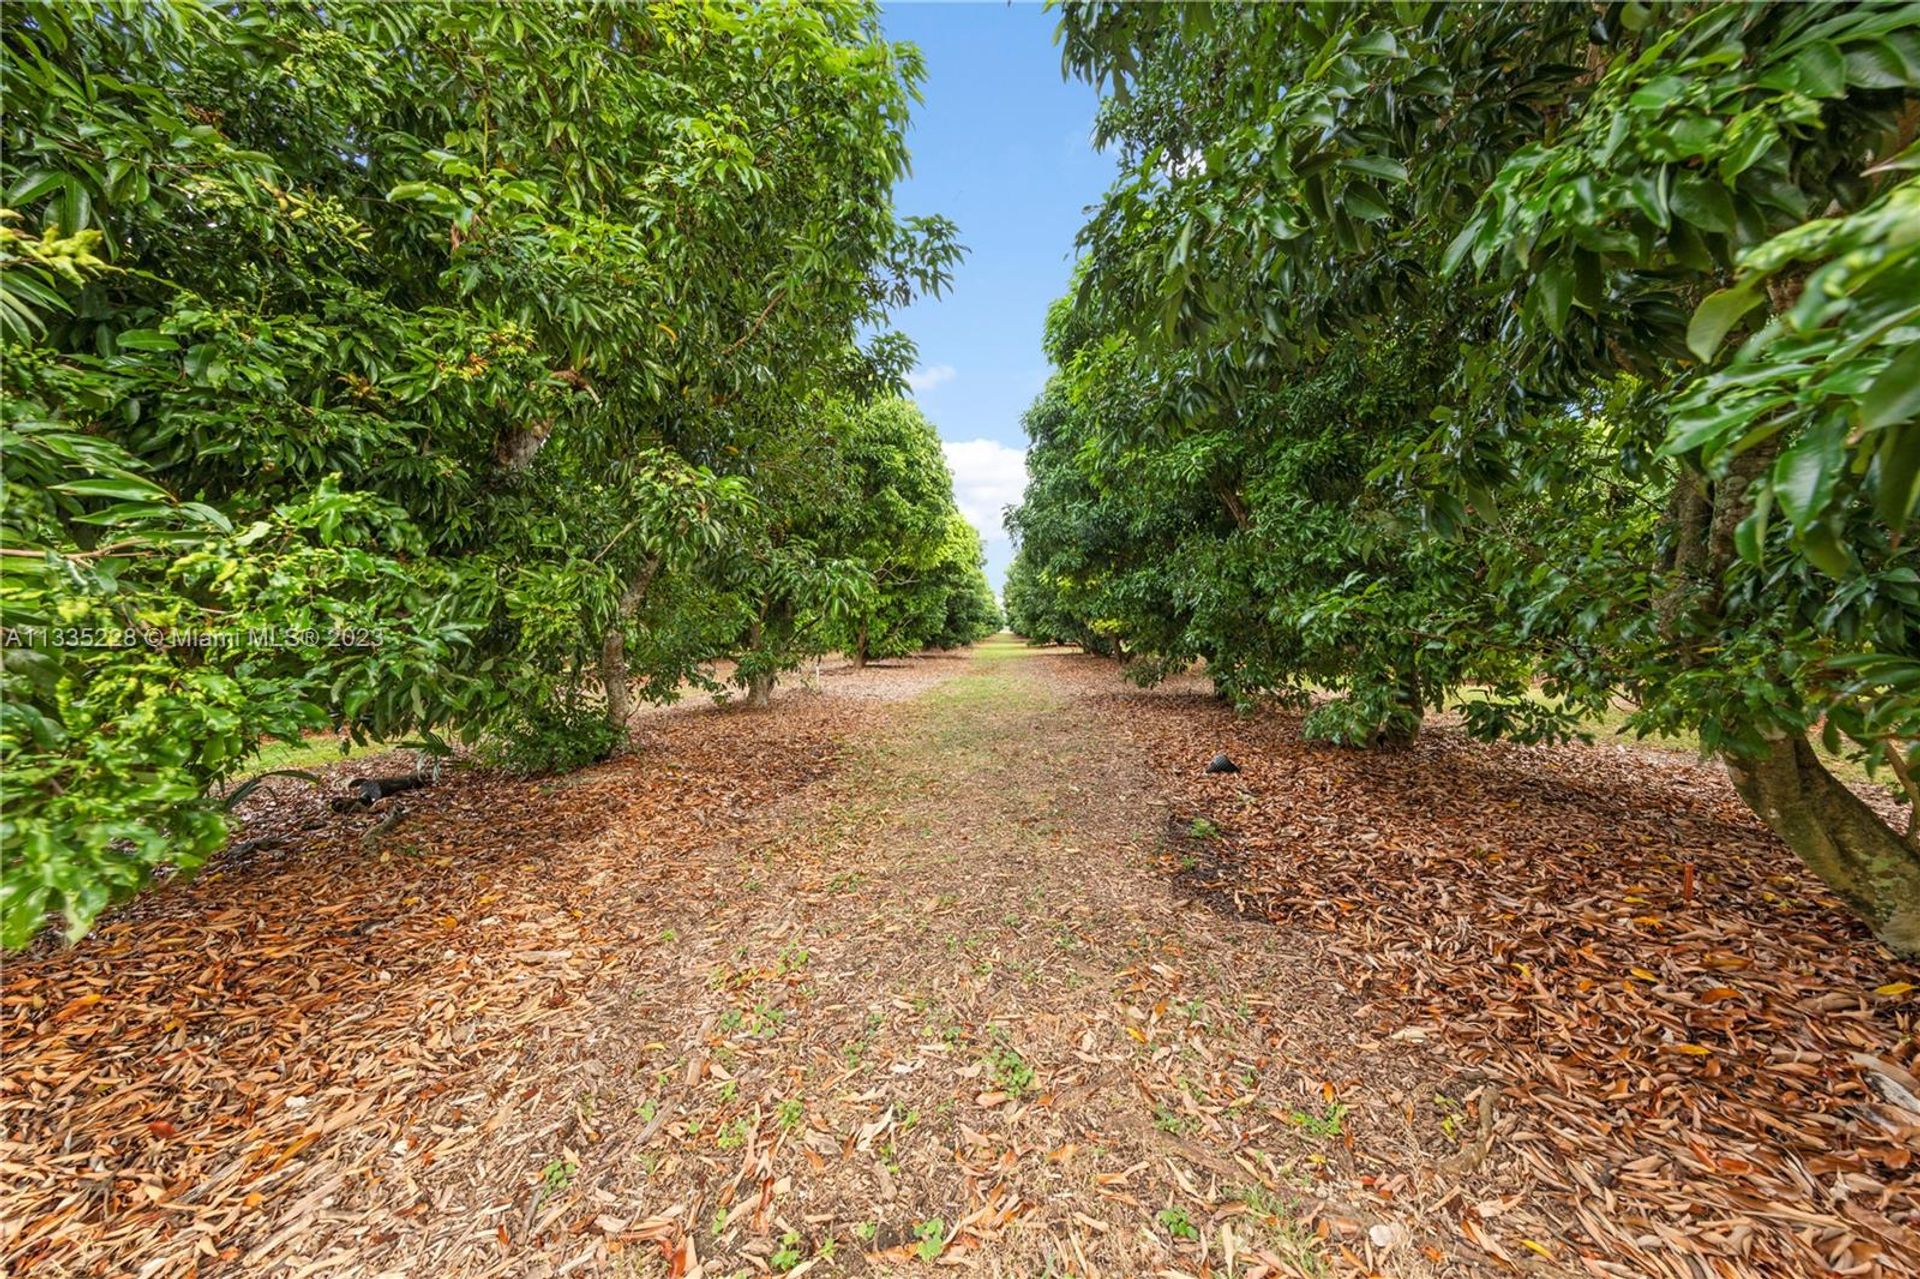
(1610, 725)
(310, 753)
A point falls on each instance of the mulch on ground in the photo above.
(1669, 1050)
(204, 1081)
(1008, 984)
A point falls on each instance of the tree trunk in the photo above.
(1859, 856)
(613, 675)
(1871, 868)
(1689, 513)
(1397, 731)
(613, 647)
(860, 649)
(760, 683)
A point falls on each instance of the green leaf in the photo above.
(126, 488)
(1752, 145)
(1378, 42)
(1686, 244)
(1876, 65)
(1657, 94)
(1649, 195)
(1750, 536)
(1804, 475)
(1553, 288)
(1461, 246)
(1716, 315)
(1824, 550)
(1906, 158)
(145, 340)
(1822, 70)
(1376, 166)
(1894, 396)
(1705, 204)
(1898, 476)
(73, 211)
(417, 190)
(1363, 202)
(32, 185)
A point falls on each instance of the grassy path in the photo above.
(945, 1006)
(948, 1006)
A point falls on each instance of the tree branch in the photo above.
(759, 320)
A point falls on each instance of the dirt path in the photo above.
(961, 962)
(945, 1005)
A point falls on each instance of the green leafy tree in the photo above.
(961, 605)
(457, 329)
(859, 548)
(1679, 239)
(891, 513)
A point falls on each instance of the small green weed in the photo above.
(1291, 1241)
(1011, 1072)
(555, 1176)
(734, 1135)
(1320, 1123)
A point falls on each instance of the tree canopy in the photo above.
(430, 372)
(1515, 357)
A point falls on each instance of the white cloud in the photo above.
(987, 476)
(924, 379)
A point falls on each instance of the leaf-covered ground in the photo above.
(963, 962)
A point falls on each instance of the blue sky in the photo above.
(1002, 146)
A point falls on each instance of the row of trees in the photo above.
(1517, 357)
(438, 371)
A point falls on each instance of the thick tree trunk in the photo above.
(760, 684)
(1404, 730)
(613, 675)
(613, 647)
(1832, 830)
(860, 649)
(1860, 857)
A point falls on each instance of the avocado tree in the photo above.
(1677, 239)
(891, 512)
(372, 366)
(958, 603)
(860, 547)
